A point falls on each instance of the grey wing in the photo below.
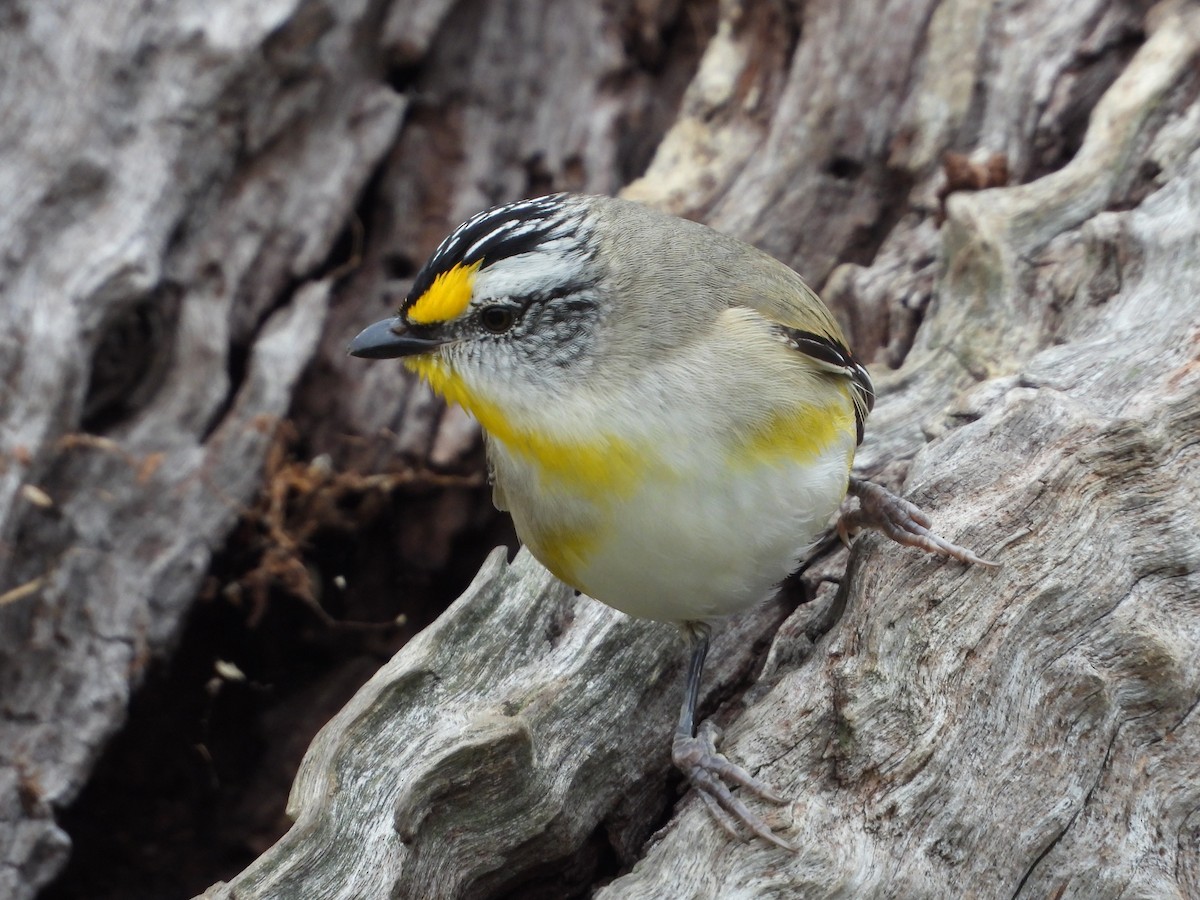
(804, 322)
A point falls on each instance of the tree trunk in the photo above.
(1001, 202)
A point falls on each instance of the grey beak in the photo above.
(390, 339)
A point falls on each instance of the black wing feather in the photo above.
(834, 353)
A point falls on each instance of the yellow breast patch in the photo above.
(564, 552)
(447, 297)
(799, 435)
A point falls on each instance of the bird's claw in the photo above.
(711, 774)
(903, 522)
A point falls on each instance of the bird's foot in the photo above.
(712, 774)
(904, 522)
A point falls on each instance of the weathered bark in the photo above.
(944, 731)
(173, 180)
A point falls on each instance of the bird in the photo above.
(670, 417)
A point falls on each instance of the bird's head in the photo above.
(508, 300)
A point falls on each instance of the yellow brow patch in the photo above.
(447, 297)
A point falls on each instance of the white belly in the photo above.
(683, 546)
(680, 550)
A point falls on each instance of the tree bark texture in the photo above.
(1001, 202)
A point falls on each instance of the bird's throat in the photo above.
(595, 466)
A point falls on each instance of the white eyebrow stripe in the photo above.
(527, 274)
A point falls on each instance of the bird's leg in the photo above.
(695, 754)
(904, 522)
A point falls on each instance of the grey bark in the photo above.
(179, 177)
(173, 179)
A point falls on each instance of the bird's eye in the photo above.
(497, 319)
